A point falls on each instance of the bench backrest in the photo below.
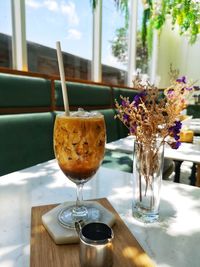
(20, 94)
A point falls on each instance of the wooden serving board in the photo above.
(45, 253)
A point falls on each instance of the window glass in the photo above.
(5, 34)
(113, 59)
(115, 44)
(141, 50)
(67, 21)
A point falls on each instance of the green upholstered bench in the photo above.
(17, 91)
(114, 128)
(25, 140)
(193, 110)
(89, 96)
(117, 92)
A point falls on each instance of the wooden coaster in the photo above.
(45, 253)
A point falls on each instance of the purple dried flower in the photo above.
(189, 88)
(153, 113)
(133, 128)
(175, 130)
(176, 137)
(137, 99)
(182, 79)
(175, 145)
(170, 92)
(176, 127)
(125, 117)
(125, 103)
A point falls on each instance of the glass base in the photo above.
(145, 216)
(68, 216)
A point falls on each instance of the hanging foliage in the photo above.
(145, 19)
(93, 3)
(184, 13)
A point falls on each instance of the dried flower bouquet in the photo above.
(154, 115)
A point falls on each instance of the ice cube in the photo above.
(83, 113)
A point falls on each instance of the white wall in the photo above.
(176, 49)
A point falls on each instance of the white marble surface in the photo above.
(192, 124)
(174, 241)
(186, 152)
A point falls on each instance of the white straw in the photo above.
(62, 76)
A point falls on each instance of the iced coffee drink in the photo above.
(79, 143)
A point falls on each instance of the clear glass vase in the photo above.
(147, 172)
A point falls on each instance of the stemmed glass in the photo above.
(79, 145)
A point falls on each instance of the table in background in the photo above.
(174, 241)
(186, 152)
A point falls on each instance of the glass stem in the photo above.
(79, 194)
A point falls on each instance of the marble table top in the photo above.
(173, 241)
(192, 124)
(186, 152)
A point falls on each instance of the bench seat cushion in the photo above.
(25, 140)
